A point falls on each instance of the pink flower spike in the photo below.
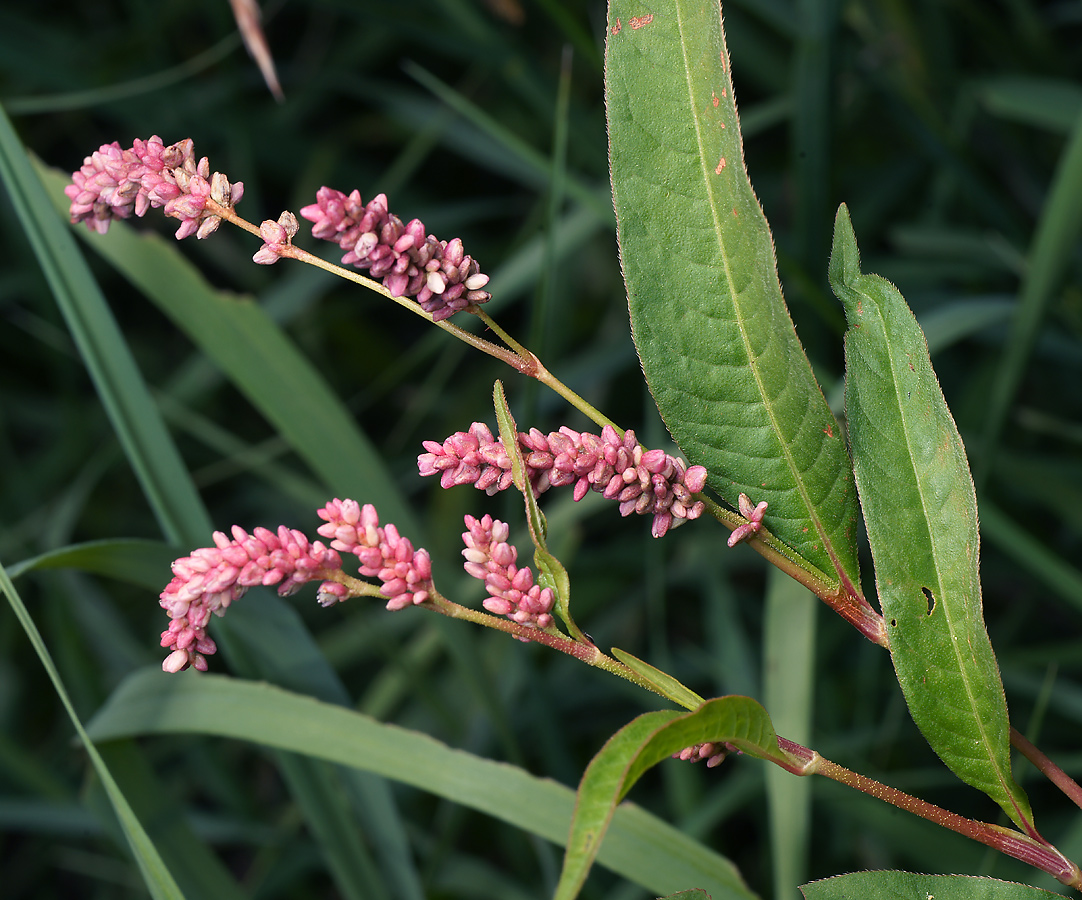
(211, 578)
(113, 183)
(406, 573)
(645, 482)
(512, 591)
(436, 274)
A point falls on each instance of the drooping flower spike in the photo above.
(211, 578)
(646, 482)
(512, 590)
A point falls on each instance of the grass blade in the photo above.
(156, 876)
(1050, 253)
(789, 693)
(136, 421)
(639, 846)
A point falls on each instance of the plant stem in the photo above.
(514, 354)
(1036, 852)
(585, 651)
(510, 357)
(538, 371)
(1046, 767)
(843, 599)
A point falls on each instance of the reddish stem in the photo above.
(1046, 767)
(1032, 850)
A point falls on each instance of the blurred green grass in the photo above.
(942, 125)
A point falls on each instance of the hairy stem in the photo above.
(1032, 850)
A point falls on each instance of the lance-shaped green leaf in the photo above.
(716, 342)
(921, 511)
(643, 743)
(662, 682)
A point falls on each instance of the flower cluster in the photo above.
(713, 752)
(383, 553)
(437, 274)
(513, 593)
(114, 182)
(213, 577)
(277, 237)
(754, 515)
(647, 482)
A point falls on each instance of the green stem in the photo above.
(586, 651)
(538, 371)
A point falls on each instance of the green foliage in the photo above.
(921, 513)
(643, 743)
(910, 886)
(640, 846)
(716, 342)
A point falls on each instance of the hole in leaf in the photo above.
(931, 600)
(893, 623)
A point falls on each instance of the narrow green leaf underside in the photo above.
(642, 744)
(921, 512)
(716, 342)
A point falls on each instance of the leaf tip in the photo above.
(844, 268)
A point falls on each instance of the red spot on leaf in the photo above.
(715, 99)
(829, 431)
(637, 22)
(721, 165)
(616, 28)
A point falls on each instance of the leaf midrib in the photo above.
(737, 313)
(937, 556)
